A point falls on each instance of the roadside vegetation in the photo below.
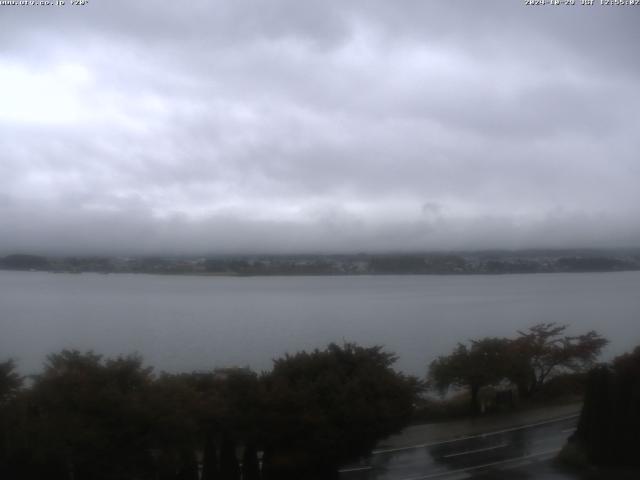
(539, 363)
(608, 434)
(89, 417)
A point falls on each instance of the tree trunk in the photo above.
(523, 390)
(210, 469)
(250, 468)
(229, 468)
(475, 405)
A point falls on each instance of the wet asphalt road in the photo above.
(499, 454)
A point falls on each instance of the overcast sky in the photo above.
(288, 125)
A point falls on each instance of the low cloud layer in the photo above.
(318, 126)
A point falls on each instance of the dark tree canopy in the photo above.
(24, 262)
(333, 405)
(95, 418)
(10, 381)
(89, 414)
(476, 366)
(609, 427)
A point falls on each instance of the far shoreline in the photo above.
(314, 275)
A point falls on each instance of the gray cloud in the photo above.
(229, 126)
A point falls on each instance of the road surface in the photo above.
(494, 454)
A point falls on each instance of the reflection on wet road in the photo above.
(467, 456)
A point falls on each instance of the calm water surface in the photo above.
(186, 323)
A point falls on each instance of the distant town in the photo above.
(478, 262)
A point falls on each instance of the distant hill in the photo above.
(451, 263)
(24, 262)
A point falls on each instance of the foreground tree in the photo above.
(544, 351)
(482, 363)
(331, 406)
(91, 418)
(609, 427)
(10, 381)
(10, 385)
(528, 361)
(87, 418)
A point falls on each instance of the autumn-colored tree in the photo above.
(544, 351)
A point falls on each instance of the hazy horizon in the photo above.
(288, 127)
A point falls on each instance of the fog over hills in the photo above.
(286, 127)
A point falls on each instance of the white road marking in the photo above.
(355, 469)
(482, 435)
(485, 465)
(468, 452)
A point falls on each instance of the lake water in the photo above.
(196, 323)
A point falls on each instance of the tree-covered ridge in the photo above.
(479, 262)
(89, 417)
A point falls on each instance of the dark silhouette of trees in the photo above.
(544, 351)
(417, 264)
(482, 363)
(591, 264)
(24, 262)
(10, 385)
(10, 381)
(229, 466)
(609, 427)
(529, 361)
(250, 463)
(173, 408)
(330, 406)
(210, 464)
(90, 418)
(94, 418)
